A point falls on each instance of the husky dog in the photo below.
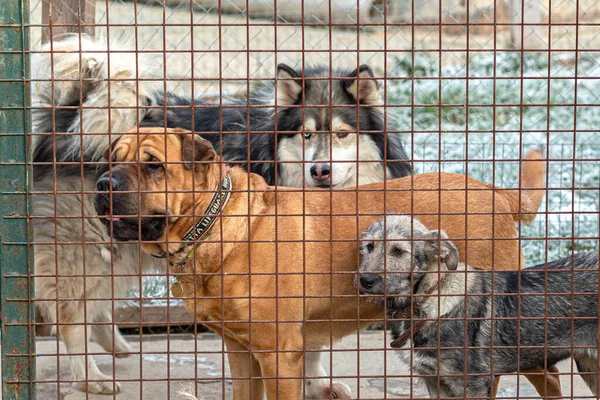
(529, 307)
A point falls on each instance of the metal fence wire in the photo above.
(295, 199)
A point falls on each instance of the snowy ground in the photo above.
(569, 216)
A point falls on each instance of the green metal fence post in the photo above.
(16, 287)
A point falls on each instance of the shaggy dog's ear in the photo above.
(196, 149)
(289, 85)
(438, 247)
(365, 89)
(111, 148)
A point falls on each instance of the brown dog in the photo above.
(274, 274)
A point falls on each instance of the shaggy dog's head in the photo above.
(396, 253)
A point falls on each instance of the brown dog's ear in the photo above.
(365, 89)
(196, 149)
(110, 148)
(442, 250)
(289, 85)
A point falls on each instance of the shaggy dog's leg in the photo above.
(109, 337)
(67, 295)
(321, 388)
(95, 381)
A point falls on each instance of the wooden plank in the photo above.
(78, 15)
(151, 315)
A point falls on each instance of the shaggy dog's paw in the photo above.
(123, 349)
(103, 387)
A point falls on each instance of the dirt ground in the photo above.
(156, 375)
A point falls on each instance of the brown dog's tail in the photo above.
(526, 202)
(533, 172)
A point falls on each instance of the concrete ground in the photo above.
(154, 374)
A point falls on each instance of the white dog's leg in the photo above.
(95, 382)
(321, 388)
(108, 336)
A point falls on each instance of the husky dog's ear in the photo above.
(289, 85)
(111, 148)
(438, 247)
(365, 89)
(196, 149)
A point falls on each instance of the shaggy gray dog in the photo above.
(537, 318)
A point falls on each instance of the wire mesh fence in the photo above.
(173, 242)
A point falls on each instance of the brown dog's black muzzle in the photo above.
(106, 183)
(117, 200)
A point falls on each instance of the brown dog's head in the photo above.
(151, 179)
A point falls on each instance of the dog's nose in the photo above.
(320, 172)
(367, 281)
(105, 183)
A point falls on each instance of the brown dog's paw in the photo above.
(337, 390)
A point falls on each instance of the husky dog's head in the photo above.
(396, 253)
(329, 121)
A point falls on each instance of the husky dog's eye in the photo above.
(307, 135)
(397, 251)
(342, 134)
(154, 165)
(369, 247)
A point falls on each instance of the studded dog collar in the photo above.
(199, 232)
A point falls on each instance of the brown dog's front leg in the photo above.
(282, 374)
(245, 371)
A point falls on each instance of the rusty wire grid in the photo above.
(470, 87)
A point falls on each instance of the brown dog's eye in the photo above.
(369, 247)
(397, 251)
(154, 165)
(343, 134)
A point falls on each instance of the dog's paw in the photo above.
(102, 387)
(337, 390)
(122, 349)
(122, 354)
(320, 390)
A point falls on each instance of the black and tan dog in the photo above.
(272, 271)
